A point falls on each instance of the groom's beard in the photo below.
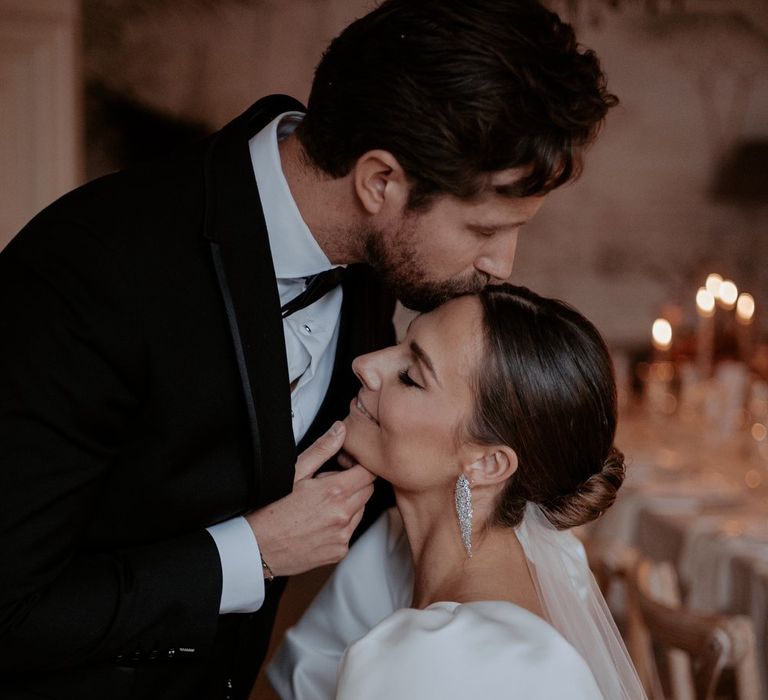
(406, 275)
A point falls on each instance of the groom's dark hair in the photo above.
(456, 90)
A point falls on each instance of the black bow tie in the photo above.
(317, 286)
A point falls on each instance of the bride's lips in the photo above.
(357, 405)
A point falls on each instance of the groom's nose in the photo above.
(497, 259)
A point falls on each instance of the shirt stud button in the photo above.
(307, 328)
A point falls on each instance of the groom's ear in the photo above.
(380, 182)
(493, 465)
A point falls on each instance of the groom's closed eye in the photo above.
(491, 229)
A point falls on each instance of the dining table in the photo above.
(697, 497)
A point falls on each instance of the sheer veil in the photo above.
(574, 605)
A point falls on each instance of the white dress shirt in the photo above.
(311, 335)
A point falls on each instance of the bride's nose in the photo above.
(368, 370)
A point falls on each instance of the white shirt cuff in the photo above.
(242, 587)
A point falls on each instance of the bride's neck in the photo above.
(497, 569)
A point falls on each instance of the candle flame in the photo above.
(662, 334)
(705, 301)
(728, 293)
(745, 307)
(713, 284)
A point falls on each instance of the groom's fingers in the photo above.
(320, 451)
(356, 478)
(345, 460)
(356, 502)
(357, 484)
(354, 488)
(325, 475)
(312, 525)
(355, 521)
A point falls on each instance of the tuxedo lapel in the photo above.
(235, 227)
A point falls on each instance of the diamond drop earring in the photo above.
(463, 496)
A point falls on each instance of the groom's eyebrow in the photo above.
(422, 356)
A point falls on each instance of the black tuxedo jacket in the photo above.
(143, 397)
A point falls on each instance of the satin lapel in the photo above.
(237, 233)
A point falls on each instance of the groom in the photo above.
(171, 334)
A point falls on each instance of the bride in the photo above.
(494, 421)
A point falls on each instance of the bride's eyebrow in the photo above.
(422, 356)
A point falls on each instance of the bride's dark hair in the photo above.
(546, 388)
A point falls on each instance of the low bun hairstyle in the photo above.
(591, 498)
(546, 389)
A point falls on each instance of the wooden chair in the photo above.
(711, 643)
(611, 562)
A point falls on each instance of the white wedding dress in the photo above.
(359, 640)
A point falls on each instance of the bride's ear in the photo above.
(493, 466)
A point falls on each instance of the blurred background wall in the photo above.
(41, 119)
(675, 187)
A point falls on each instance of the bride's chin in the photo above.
(362, 446)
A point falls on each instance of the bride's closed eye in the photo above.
(406, 379)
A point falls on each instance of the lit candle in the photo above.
(745, 312)
(728, 294)
(705, 302)
(662, 334)
(745, 308)
(713, 284)
(705, 337)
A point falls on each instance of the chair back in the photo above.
(712, 643)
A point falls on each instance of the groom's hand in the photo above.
(312, 526)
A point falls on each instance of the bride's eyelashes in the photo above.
(406, 379)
